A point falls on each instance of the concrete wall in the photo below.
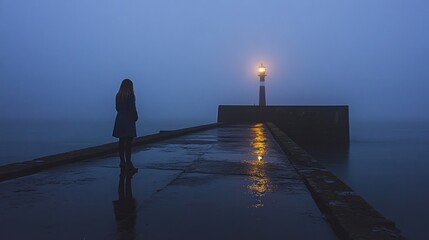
(304, 124)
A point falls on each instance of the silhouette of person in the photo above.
(125, 208)
(125, 123)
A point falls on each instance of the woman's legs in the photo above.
(125, 147)
(128, 145)
(121, 149)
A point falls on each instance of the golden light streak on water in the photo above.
(260, 183)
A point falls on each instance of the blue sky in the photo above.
(66, 59)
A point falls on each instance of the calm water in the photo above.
(28, 139)
(388, 164)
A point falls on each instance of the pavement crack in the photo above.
(183, 170)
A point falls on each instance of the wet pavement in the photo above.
(231, 182)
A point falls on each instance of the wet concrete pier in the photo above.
(231, 182)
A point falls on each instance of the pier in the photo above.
(231, 182)
(218, 181)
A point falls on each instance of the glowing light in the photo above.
(262, 69)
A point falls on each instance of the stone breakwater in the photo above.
(349, 214)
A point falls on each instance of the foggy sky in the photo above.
(66, 58)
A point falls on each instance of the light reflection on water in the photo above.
(260, 183)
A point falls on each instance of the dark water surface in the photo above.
(387, 164)
(28, 139)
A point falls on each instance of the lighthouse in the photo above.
(262, 74)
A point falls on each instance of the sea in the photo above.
(27, 139)
(386, 163)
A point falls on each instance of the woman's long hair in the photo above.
(126, 91)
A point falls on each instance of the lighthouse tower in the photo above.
(262, 74)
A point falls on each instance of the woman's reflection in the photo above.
(125, 207)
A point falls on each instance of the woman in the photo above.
(125, 123)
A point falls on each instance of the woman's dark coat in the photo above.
(126, 117)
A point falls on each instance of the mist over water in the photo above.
(61, 64)
(66, 59)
